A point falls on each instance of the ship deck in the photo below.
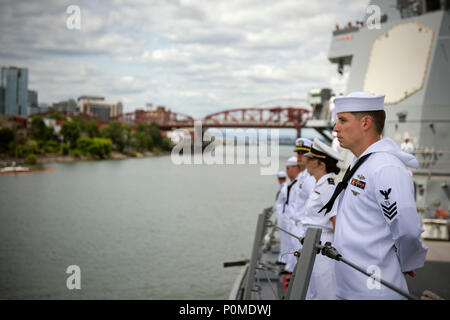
(434, 276)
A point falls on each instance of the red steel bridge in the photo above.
(273, 117)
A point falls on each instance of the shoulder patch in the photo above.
(330, 181)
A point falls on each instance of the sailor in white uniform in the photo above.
(322, 165)
(281, 220)
(300, 194)
(407, 146)
(292, 171)
(377, 225)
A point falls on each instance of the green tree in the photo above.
(150, 144)
(33, 146)
(71, 132)
(92, 129)
(6, 136)
(156, 135)
(100, 147)
(31, 159)
(119, 133)
(141, 127)
(141, 141)
(80, 122)
(23, 150)
(39, 131)
(57, 116)
(65, 149)
(166, 145)
(51, 146)
(50, 134)
(83, 144)
(38, 128)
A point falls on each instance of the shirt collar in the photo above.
(372, 148)
(324, 178)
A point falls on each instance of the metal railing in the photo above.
(300, 279)
(301, 276)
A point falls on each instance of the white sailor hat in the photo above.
(321, 151)
(281, 174)
(359, 101)
(292, 161)
(303, 145)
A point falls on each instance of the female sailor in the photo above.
(322, 165)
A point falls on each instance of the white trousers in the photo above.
(293, 245)
(284, 239)
(322, 285)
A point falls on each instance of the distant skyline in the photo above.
(194, 57)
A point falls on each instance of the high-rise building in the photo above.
(98, 107)
(14, 96)
(32, 98)
(33, 105)
(2, 100)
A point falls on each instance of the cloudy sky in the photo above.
(193, 56)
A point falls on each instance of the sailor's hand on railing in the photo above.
(412, 273)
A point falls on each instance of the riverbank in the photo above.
(57, 158)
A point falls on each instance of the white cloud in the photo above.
(194, 56)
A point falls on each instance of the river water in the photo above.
(136, 228)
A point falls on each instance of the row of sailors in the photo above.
(312, 184)
(370, 217)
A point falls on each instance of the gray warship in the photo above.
(401, 49)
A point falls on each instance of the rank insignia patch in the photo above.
(390, 211)
(358, 183)
(330, 181)
(355, 193)
(361, 177)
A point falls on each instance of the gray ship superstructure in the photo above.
(403, 51)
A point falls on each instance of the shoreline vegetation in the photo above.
(57, 158)
(78, 139)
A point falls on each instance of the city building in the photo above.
(44, 107)
(33, 105)
(14, 91)
(65, 106)
(32, 98)
(97, 106)
(2, 100)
